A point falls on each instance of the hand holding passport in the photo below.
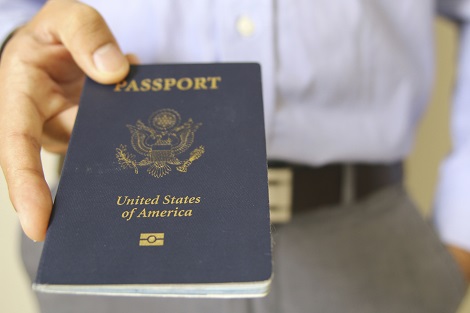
(41, 77)
(166, 176)
(39, 97)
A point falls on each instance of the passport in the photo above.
(163, 190)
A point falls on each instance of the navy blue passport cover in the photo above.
(164, 184)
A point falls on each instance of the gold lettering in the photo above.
(153, 213)
(119, 200)
(127, 215)
(199, 83)
(168, 83)
(182, 81)
(132, 86)
(155, 200)
(179, 200)
(167, 200)
(145, 84)
(214, 81)
(142, 213)
(157, 84)
(188, 213)
(120, 85)
(163, 213)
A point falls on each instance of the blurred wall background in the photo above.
(432, 144)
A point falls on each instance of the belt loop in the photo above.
(348, 184)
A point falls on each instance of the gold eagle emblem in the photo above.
(160, 142)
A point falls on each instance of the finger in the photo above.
(58, 129)
(133, 58)
(83, 31)
(21, 164)
(29, 193)
(20, 128)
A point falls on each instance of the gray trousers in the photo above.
(375, 256)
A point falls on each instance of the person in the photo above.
(343, 82)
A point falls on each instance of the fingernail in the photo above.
(108, 58)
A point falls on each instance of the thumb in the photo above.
(85, 34)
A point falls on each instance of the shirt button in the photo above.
(245, 26)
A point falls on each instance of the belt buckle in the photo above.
(280, 194)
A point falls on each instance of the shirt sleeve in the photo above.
(14, 13)
(452, 204)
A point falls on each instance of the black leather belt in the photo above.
(314, 187)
